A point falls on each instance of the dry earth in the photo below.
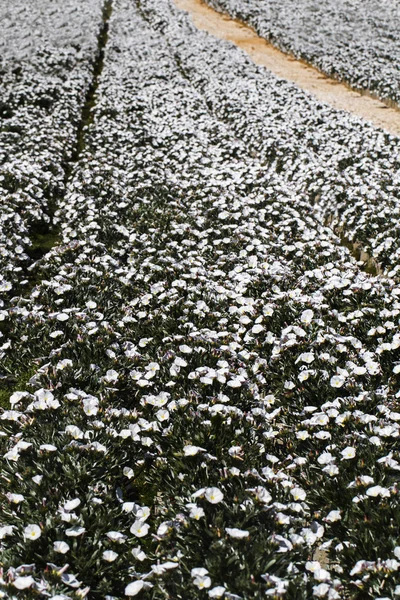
(335, 93)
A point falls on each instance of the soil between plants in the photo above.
(310, 79)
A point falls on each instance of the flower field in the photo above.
(199, 379)
(357, 42)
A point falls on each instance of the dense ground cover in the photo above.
(347, 170)
(212, 410)
(356, 42)
(46, 63)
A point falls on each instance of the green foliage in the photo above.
(11, 383)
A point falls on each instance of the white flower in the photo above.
(32, 532)
(237, 533)
(298, 494)
(64, 364)
(306, 357)
(377, 490)
(17, 397)
(90, 406)
(185, 349)
(348, 453)
(139, 528)
(22, 445)
(198, 571)
(62, 317)
(71, 504)
(234, 383)
(164, 528)
(44, 395)
(71, 580)
(257, 329)
(366, 480)
(282, 519)
(321, 590)
(74, 432)
(332, 516)
(372, 367)
(217, 592)
(48, 448)
(192, 450)
(331, 470)
(15, 498)
(375, 440)
(61, 547)
(322, 575)
(6, 530)
(304, 375)
(307, 316)
(109, 555)
(162, 415)
(22, 583)
(160, 569)
(391, 564)
(322, 435)
(325, 458)
(213, 495)
(143, 513)
(111, 376)
(75, 531)
(261, 494)
(139, 554)
(128, 472)
(116, 536)
(312, 565)
(235, 451)
(12, 454)
(134, 588)
(196, 512)
(358, 567)
(337, 381)
(56, 334)
(202, 582)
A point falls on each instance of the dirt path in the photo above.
(327, 90)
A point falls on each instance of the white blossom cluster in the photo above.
(357, 42)
(208, 382)
(47, 54)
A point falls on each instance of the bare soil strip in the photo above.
(335, 93)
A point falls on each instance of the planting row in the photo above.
(47, 59)
(346, 169)
(211, 404)
(355, 42)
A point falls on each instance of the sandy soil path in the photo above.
(327, 90)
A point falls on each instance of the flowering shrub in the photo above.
(212, 406)
(356, 42)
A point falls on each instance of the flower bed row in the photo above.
(212, 407)
(348, 170)
(358, 43)
(47, 59)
